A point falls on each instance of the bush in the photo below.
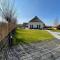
(50, 28)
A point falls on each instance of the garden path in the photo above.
(55, 34)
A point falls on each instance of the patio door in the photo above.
(31, 26)
(38, 26)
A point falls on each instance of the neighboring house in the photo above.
(25, 25)
(48, 27)
(58, 27)
(36, 23)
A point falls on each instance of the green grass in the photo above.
(56, 30)
(29, 36)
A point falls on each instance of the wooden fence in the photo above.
(6, 28)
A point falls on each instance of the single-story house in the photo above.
(25, 25)
(35, 23)
(57, 27)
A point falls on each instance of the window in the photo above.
(39, 26)
(31, 26)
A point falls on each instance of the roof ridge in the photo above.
(35, 19)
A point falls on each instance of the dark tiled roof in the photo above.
(35, 19)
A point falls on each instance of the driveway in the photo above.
(55, 34)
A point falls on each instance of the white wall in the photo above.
(35, 24)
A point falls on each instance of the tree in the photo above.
(7, 11)
(56, 22)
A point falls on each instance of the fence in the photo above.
(5, 29)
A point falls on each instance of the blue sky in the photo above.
(46, 10)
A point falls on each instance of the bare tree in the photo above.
(56, 22)
(7, 11)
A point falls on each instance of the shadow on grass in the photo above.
(17, 41)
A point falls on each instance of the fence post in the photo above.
(10, 39)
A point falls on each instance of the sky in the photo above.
(46, 10)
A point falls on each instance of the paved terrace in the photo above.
(48, 50)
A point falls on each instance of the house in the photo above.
(35, 23)
(58, 27)
(25, 25)
(48, 27)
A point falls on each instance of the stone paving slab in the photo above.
(49, 50)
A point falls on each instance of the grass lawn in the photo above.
(56, 30)
(32, 35)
